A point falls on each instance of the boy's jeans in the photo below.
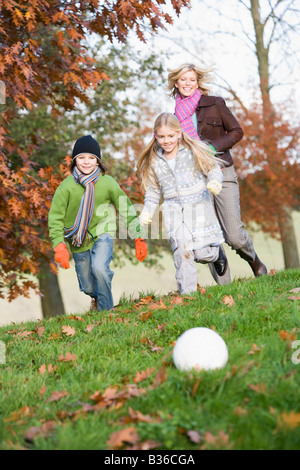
(93, 272)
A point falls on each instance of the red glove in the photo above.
(141, 249)
(62, 255)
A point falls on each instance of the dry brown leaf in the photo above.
(140, 376)
(57, 395)
(23, 412)
(89, 328)
(75, 317)
(119, 438)
(68, 330)
(255, 349)
(289, 420)
(42, 391)
(42, 369)
(228, 300)
(221, 440)
(258, 388)
(287, 336)
(25, 334)
(67, 358)
(45, 429)
(40, 330)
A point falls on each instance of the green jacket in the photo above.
(109, 197)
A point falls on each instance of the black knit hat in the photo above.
(86, 144)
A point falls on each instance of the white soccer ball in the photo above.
(200, 348)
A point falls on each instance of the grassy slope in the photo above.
(124, 362)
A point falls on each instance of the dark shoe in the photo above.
(258, 268)
(94, 304)
(221, 263)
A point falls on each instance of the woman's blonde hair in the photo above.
(203, 154)
(203, 77)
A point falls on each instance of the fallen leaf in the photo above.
(145, 315)
(68, 330)
(58, 395)
(176, 300)
(119, 438)
(159, 305)
(42, 369)
(140, 376)
(200, 289)
(287, 336)
(42, 391)
(89, 328)
(221, 440)
(194, 436)
(68, 357)
(75, 317)
(24, 334)
(45, 429)
(258, 388)
(40, 330)
(137, 416)
(296, 289)
(228, 300)
(294, 297)
(254, 349)
(23, 412)
(289, 420)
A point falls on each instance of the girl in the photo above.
(208, 117)
(88, 233)
(182, 170)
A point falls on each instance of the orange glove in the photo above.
(141, 249)
(62, 255)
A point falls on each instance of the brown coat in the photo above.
(218, 126)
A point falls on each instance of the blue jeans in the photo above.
(93, 272)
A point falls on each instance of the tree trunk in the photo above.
(289, 242)
(51, 299)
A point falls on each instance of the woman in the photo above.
(208, 118)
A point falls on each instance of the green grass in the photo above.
(252, 403)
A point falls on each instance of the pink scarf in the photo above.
(184, 109)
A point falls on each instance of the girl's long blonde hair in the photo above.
(203, 77)
(203, 154)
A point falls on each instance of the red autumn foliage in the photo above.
(267, 164)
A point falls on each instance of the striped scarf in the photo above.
(86, 208)
(184, 109)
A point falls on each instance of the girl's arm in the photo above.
(151, 201)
